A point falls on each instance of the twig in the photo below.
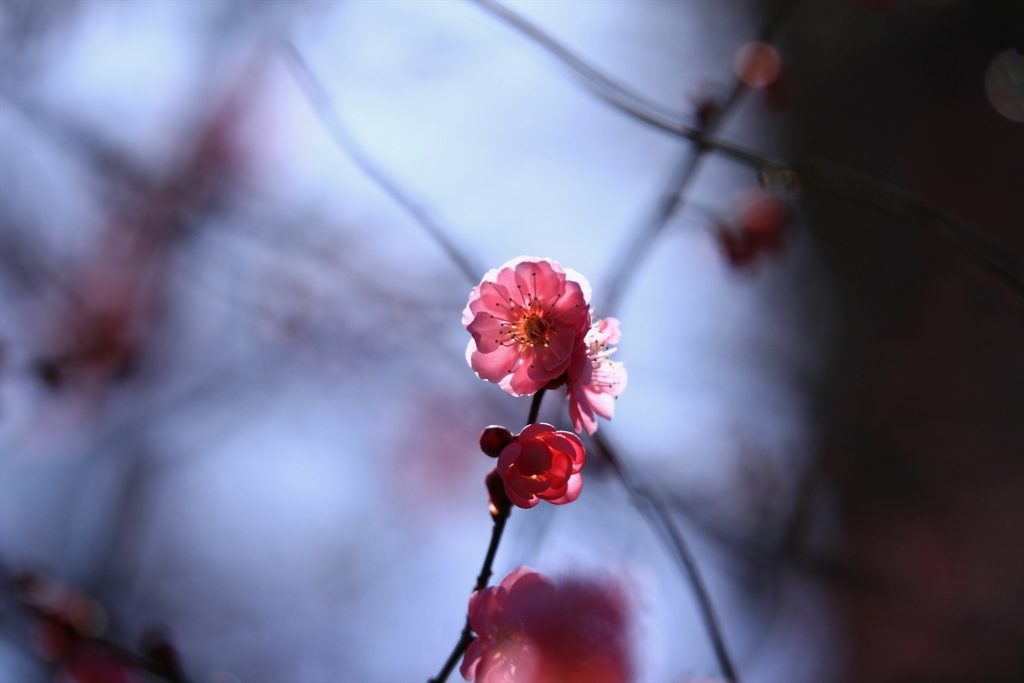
(535, 406)
(18, 606)
(500, 518)
(467, 636)
(612, 92)
(673, 194)
(814, 173)
(329, 117)
(658, 517)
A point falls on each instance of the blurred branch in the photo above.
(90, 148)
(878, 194)
(12, 595)
(617, 95)
(658, 516)
(673, 195)
(814, 173)
(328, 115)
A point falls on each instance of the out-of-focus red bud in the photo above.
(51, 640)
(707, 110)
(762, 228)
(766, 219)
(94, 665)
(739, 249)
(757, 64)
(494, 439)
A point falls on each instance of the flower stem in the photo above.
(500, 518)
(535, 406)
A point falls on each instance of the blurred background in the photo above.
(238, 434)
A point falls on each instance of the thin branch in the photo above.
(614, 93)
(467, 636)
(10, 594)
(673, 195)
(813, 173)
(500, 517)
(668, 203)
(465, 639)
(609, 90)
(335, 127)
(535, 406)
(651, 507)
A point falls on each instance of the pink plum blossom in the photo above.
(526, 319)
(595, 381)
(542, 464)
(533, 630)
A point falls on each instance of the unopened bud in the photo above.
(494, 439)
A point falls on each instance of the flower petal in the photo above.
(508, 456)
(572, 492)
(489, 332)
(535, 430)
(580, 412)
(494, 365)
(518, 493)
(471, 659)
(534, 458)
(538, 280)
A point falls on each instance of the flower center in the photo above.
(535, 329)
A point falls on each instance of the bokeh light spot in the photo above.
(1004, 84)
(757, 64)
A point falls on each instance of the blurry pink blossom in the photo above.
(531, 630)
(526, 318)
(542, 464)
(500, 653)
(594, 380)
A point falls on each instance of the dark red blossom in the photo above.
(542, 464)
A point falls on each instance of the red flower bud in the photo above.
(494, 439)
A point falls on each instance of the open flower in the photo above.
(595, 381)
(526, 318)
(542, 464)
(533, 630)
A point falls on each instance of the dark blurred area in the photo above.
(922, 412)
